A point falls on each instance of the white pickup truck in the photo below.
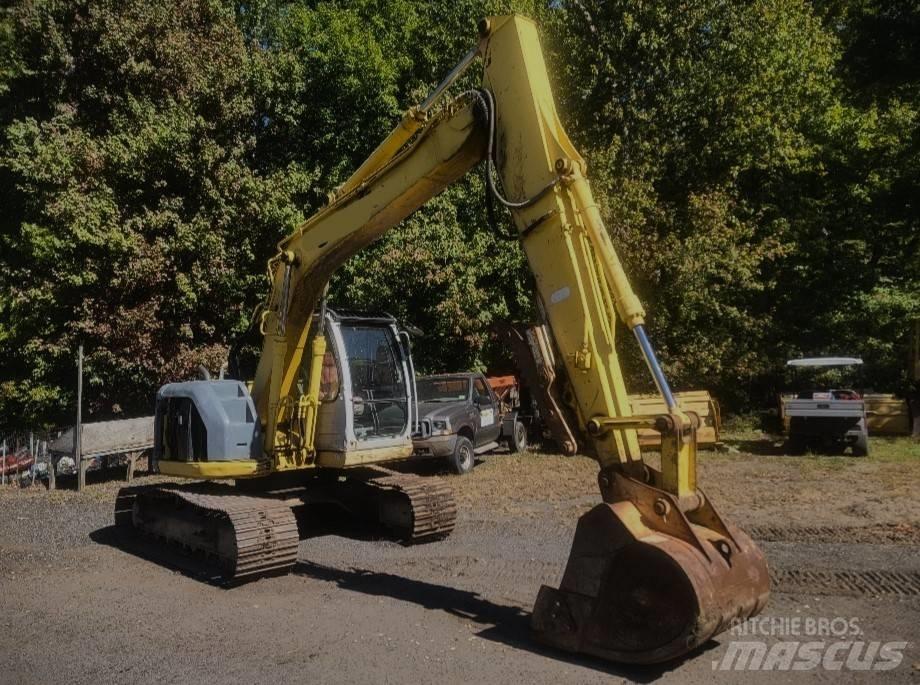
(828, 418)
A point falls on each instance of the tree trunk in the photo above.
(914, 403)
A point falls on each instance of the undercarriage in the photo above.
(230, 535)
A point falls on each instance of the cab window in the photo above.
(378, 389)
(481, 391)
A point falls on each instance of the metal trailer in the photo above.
(128, 438)
(698, 402)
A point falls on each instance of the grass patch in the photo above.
(885, 450)
(894, 449)
(881, 449)
(742, 426)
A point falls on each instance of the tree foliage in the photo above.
(756, 163)
(133, 214)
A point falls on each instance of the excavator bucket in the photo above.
(647, 582)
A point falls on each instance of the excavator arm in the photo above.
(443, 151)
(512, 124)
(654, 570)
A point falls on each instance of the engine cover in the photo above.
(206, 421)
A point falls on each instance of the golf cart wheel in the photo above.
(463, 458)
(861, 446)
(796, 444)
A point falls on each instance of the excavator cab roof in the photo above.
(355, 316)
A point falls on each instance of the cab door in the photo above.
(490, 426)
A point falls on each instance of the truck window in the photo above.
(453, 389)
(481, 391)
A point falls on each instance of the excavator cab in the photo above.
(365, 406)
(366, 397)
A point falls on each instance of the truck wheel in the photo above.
(463, 458)
(518, 442)
(861, 446)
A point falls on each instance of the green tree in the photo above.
(863, 259)
(153, 153)
(338, 77)
(698, 121)
(133, 221)
(756, 164)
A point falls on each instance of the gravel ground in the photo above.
(842, 538)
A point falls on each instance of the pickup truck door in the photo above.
(490, 425)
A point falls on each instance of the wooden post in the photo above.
(38, 447)
(3, 474)
(913, 397)
(52, 474)
(132, 460)
(78, 429)
(914, 405)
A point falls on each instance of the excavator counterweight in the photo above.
(654, 570)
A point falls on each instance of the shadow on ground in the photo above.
(775, 446)
(155, 553)
(508, 625)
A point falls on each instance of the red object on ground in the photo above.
(16, 463)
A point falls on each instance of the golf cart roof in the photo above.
(825, 361)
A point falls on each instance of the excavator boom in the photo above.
(654, 570)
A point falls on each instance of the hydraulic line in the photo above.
(487, 101)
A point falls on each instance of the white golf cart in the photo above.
(819, 411)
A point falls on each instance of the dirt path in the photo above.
(842, 541)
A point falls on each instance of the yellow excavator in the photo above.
(654, 570)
